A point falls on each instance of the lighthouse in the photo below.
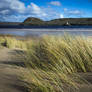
(68, 24)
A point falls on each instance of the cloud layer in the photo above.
(15, 10)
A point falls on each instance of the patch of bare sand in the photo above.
(9, 72)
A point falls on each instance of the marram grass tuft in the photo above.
(52, 61)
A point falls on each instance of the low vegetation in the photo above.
(53, 63)
(11, 42)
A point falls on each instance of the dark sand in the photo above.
(10, 71)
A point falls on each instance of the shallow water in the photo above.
(40, 32)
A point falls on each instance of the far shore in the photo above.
(47, 29)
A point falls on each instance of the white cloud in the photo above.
(61, 16)
(17, 5)
(73, 12)
(3, 12)
(12, 5)
(55, 3)
(51, 13)
(15, 10)
(33, 9)
(65, 9)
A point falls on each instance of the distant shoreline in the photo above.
(32, 22)
(48, 29)
(42, 27)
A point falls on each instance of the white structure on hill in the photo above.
(68, 23)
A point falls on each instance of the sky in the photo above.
(19, 10)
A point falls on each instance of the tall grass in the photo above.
(11, 42)
(52, 60)
(52, 63)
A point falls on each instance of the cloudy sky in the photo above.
(19, 10)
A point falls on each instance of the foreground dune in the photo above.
(49, 64)
(9, 73)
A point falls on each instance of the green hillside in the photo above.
(31, 21)
(58, 22)
(34, 21)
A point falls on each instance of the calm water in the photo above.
(40, 32)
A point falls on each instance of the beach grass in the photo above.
(53, 63)
(11, 42)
